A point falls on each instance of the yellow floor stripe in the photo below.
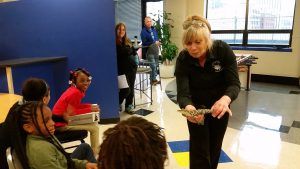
(182, 158)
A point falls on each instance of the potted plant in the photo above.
(168, 49)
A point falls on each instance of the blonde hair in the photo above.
(195, 28)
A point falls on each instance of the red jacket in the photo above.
(70, 99)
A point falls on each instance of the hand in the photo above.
(196, 119)
(189, 107)
(95, 108)
(157, 43)
(221, 107)
(193, 119)
(91, 166)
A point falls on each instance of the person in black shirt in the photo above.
(206, 77)
(126, 65)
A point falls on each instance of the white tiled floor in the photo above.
(250, 141)
(250, 147)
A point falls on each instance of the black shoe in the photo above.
(154, 82)
(129, 109)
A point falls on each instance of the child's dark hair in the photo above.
(24, 114)
(35, 89)
(136, 144)
(74, 74)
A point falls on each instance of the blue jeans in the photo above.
(84, 152)
(153, 65)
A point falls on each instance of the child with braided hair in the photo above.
(134, 143)
(33, 89)
(69, 104)
(35, 144)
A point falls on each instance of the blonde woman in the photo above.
(206, 76)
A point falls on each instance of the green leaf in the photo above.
(169, 49)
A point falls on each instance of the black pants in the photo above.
(128, 93)
(206, 142)
(3, 160)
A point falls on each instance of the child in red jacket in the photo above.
(69, 104)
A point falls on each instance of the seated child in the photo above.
(136, 144)
(38, 148)
(33, 89)
(69, 104)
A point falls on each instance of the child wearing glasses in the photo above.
(69, 104)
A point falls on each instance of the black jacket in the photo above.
(203, 86)
(7, 138)
(125, 59)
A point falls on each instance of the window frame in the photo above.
(246, 31)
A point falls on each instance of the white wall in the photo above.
(269, 63)
(177, 8)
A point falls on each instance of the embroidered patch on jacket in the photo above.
(216, 65)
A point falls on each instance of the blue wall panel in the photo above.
(43, 71)
(3, 81)
(82, 30)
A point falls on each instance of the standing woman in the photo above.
(206, 76)
(126, 65)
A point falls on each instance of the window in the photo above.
(2, 1)
(129, 12)
(154, 9)
(252, 22)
